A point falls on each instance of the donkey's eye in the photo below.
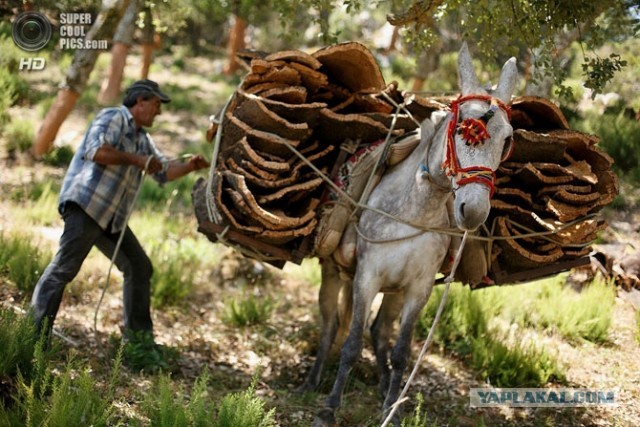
(507, 149)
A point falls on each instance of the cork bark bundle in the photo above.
(555, 179)
(320, 103)
(312, 103)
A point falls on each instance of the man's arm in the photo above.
(108, 155)
(178, 169)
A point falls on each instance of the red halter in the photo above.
(474, 131)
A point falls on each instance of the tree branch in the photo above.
(420, 12)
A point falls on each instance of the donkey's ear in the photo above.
(508, 81)
(467, 74)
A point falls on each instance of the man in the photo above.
(96, 196)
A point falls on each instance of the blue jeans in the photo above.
(80, 234)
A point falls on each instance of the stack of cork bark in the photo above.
(297, 116)
(555, 180)
(261, 190)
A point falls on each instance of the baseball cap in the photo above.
(147, 85)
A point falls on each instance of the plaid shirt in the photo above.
(106, 192)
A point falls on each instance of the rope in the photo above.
(214, 216)
(359, 205)
(117, 249)
(401, 398)
(385, 151)
(121, 236)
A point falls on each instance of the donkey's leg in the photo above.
(328, 300)
(402, 349)
(365, 288)
(381, 331)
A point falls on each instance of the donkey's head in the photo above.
(479, 136)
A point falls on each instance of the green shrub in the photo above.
(20, 135)
(141, 354)
(70, 398)
(619, 137)
(175, 193)
(465, 316)
(20, 346)
(76, 399)
(419, 416)
(517, 365)
(249, 311)
(173, 277)
(7, 97)
(21, 261)
(164, 406)
(40, 201)
(59, 156)
(585, 315)
(11, 80)
(465, 329)
(244, 409)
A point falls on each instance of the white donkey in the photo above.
(394, 255)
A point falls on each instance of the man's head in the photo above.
(144, 99)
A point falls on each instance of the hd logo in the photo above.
(31, 64)
(31, 31)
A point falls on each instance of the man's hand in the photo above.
(198, 162)
(152, 164)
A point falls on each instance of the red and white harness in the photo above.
(474, 132)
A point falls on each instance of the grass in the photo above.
(59, 156)
(419, 416)
(309, 271)
(467, 328)
(141, 354)
(21, 351)
(181, 257)
(619, 137)
(586, 315)
(20, 135)
(21, 261)
(173, 278)
(172, 194)
(475, 326)
(71, 396)
(248, 311)
(244, 409)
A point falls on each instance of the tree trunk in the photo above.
(78, 75)
(236, 43)
(394, 40)
(147, 55)
(148, 42)
(111, 84)
(122, 41)
(428, 62)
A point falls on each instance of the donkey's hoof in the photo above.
(325, 418)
